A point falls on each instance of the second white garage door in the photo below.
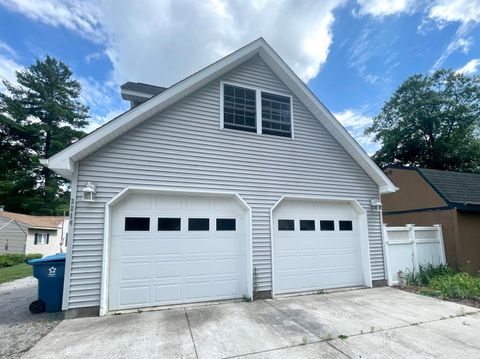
(316, 246)
(176, 249)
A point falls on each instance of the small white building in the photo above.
(23, 233)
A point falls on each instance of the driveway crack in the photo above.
(191, 334)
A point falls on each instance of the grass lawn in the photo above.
(15, 272)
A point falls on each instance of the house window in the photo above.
(226, 224)
(141, 224)
(327, 225)
(41, 238)
(276, 115)
(307, 225)
(239, 108)
(286, 225)
(345, 225)
(198, 224)
(169, 224)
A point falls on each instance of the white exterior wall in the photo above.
(53, 246)
(183, 147)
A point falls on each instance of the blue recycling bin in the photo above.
(50, 272)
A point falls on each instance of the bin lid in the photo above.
(60, 257)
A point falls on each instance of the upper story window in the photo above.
(276, 119)
(255, 110)
(239, 108)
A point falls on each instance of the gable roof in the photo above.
(34, 221)
(63, 162)
(457, 188)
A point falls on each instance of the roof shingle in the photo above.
(34, 221)
(456, 187)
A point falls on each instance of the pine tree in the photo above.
(39, 116)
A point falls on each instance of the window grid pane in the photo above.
(169, 224)
(345, 225)
(239, 108)
(276, 115)
(286, 225)
(226, 224)
(307, 225)
(137, 224)
(327, 225)
(198, 224)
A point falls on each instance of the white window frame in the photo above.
(41, 238)
(258, 106)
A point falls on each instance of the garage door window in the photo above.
(137, 224)
(327, 225)
(307, 225)
(198, 224)
(169, 224)
(345, 225)
(226, 224)
(286, 225)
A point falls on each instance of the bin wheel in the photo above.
(37, 307)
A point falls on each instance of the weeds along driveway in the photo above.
(370, 323)
(19, 329)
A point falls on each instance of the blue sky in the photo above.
(353, 54)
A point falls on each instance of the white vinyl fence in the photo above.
(408, 247)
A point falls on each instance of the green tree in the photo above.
(39, 116)
(432, 122)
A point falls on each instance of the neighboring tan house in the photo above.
(22, 233)
(232, 181)
(451, 199)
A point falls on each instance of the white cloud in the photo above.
(463, 11)
(163, 42)
(470, 68)
(458, 43)
(355, 121)
(80, 16)
(8, 65)
(381, 8)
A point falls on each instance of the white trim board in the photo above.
(63, 162)
(161, 190)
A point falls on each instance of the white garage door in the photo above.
(176, 249)
(316, 246)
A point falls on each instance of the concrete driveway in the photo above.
(370, 323)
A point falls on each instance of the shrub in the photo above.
(459, 286)
(33, 256)
(11, 259)
(426, 273)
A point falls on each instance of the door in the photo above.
(171, 249)
(316, 246)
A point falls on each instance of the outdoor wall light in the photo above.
(376, 205)
(89, 192)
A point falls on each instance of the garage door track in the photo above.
(370, 323)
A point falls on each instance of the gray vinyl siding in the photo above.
(12, 237)
(183, 147)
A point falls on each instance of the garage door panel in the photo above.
(132, 271)
(319, 258)
(167, 292)
(134, 295)
(177, 266)
(168, 269)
